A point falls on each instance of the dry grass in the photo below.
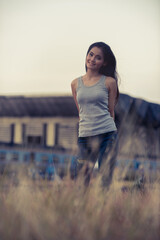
(66, 210)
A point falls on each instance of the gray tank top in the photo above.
(94, 116)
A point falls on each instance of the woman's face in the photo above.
(95, 59)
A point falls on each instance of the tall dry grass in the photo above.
(66, 210)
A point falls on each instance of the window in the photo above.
(34, 134)
(5, 133)
(34, 140)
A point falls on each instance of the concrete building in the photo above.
(38, 122)
(52, 122)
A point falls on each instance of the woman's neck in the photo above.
(92, 74)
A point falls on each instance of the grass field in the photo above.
(66, 210)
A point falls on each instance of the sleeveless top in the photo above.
(94, 115)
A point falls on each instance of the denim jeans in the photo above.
(101, 148)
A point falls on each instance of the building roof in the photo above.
(64, 106)
(147, 113)
(20, 106)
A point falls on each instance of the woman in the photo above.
(96, 94)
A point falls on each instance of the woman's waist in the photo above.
(95, 118)
(89, 128)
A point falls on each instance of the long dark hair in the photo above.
(110, 68)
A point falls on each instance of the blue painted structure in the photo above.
(47, 164)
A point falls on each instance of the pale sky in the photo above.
(43, 44)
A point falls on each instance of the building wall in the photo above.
(134, 139)
(49, 131)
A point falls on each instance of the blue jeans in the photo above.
(101, 148)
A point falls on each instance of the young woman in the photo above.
(96, 94)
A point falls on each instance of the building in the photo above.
(38, 122)
(52, 122)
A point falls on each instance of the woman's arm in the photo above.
(112, 90)
(74, 85)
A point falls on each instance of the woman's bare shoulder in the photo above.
(74, 83)
(110, 82)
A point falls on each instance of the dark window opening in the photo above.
(34, 140)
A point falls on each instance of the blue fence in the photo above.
(47, 164)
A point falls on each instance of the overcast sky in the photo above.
(43, 44)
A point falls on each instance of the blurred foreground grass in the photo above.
(66, 210)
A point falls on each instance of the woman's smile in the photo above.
(91, 63)
(95, 58)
